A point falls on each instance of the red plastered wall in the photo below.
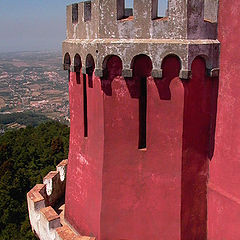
(224, 190)
(142, 188)
(199, 109)
(116, 190)
(84, 173)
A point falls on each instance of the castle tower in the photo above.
(224, 177)
(143, 92)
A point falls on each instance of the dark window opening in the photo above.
(211, 11)
(87, 11)
(67, 63)
(143, 114)
(75, 13)
(124, 9)
(85, 106)
(78, 77)
(77, 63)
(159, 9)
(90, 65)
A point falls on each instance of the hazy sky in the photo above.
(29, 25)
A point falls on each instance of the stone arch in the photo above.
(77, 62)
(112, 67)
(90, 64)
(169, 53)
(77, 65)
(204, 57)
(201, 61)
(171, 66)
(67, 61)
(141, 65)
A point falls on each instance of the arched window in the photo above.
(159, 9)
(142, 68)
(67, 64)
(124, 9)
(77, 63)
(90, 66)
(67, 61)
(112, 68)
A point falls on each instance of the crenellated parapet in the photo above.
(110, 19)
(43, 200)
(187, 32)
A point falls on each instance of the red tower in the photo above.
(224, 177)
(143, 96)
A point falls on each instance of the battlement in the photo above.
(110, 19)
(47, 219)
(103, 28)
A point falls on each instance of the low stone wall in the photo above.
(41, 199)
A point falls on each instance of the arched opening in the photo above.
(112, 67)
(171, 66)
(67, 59)
(142, 68)
(67, 64)
(77, 67)
(124, 9)
(90, 66)
(77, 63)
(159, 9)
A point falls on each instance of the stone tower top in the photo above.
(110, 19)
(102, 28)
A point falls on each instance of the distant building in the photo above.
(143, 104)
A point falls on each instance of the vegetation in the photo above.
(26, 156)
(23, 118)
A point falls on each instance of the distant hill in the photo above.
(26, 156)
(23, 118)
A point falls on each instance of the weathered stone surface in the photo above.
(157, 73)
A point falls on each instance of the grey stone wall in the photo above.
(183, 32)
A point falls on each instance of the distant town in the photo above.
(34, 82)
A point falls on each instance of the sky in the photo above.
(34, 25)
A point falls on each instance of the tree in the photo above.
(26, 156)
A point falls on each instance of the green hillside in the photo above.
(23, 118)
(26, 156)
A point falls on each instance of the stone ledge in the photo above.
(45, 221)
(49, 214)
(66, 233)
